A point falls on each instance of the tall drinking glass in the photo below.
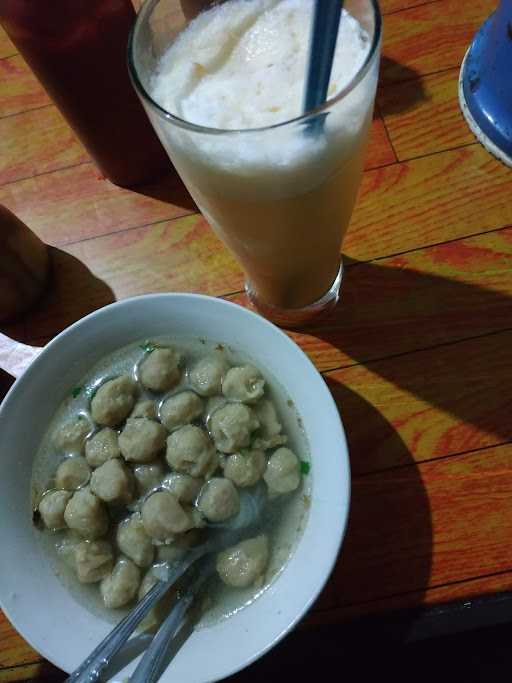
(280, 196)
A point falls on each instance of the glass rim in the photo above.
(145, 11)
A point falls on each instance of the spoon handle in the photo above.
(15, 357)
(90, 669)
(150, 666)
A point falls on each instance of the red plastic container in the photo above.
(77, 49)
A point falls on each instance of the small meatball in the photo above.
(190, 451)
(159, 371)
(212, 404)
(86, 514)
(52, 507)
(72, 474)
(113, 482)
(206, 375)
(103, 446)
(283, 471)
(121, 586)
(245, 468)
(133, 541)
(163, 516)
(141, 439)
(269, 432)
(144, 409)
(148, 476)
(180, 409)
(219, 500)
(244, 384)
(113, 401)
(232, 426)
(93, 560)
(71, 436)
(183, 486)
(244, 563)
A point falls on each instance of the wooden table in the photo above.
(418, 355)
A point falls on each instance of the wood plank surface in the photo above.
(14, 650)
(423, 115)
(36, 141)
(467, 590)
(19, 88)
(390, 6)
(7, 49)
(76, 203)
(429, 200)
(442, 522)
(380, 151)
(401, 207)
(180, 255)
(418, 354)
(436, 404)
(425, 298)
(430, 37)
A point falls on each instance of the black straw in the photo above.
(324, 32)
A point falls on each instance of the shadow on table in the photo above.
(387, 549)
(387, 311)
(73, 292)
(169, 189)
(392, 310)
(398, 98)
(481, 656)
(330, 653)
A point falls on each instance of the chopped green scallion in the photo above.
(304, 467)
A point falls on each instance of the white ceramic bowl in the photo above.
(35, 601)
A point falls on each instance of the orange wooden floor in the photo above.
(418, 355)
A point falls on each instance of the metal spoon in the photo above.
(150, 667)
(252, 503)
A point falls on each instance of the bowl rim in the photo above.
(338, 530)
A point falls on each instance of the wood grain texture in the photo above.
(19, 88)
(14, 649)
(389, 6)
(77, 203)
(412, 528)
(423, 115)
(430, 200)
(464, 590)
(418, 354)
(401, 207)
(430, 37)
(35, 142)
(425, 298)
(7, 49)
(426, 405)
(180, 255)
(379, 152)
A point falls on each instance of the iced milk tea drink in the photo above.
(225, 97)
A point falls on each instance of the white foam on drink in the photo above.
(242, 65)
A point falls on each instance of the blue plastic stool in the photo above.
(485, 83)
